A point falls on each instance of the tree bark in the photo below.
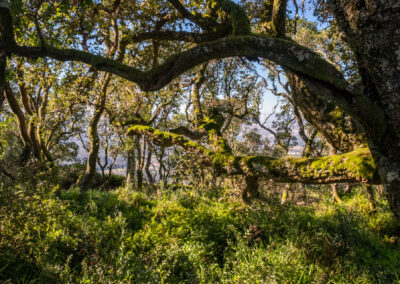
(130, 169)
(340, 130)
(148, 163)
(140, 149)
(24, 133)
(335, 193)
(372, 29)
(94, 136)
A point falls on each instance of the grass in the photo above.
(185, 236)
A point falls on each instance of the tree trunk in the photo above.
(24, 133)
(250, 189)
(371, 197)
(372, 29)
(161, 167)
(103, 166)
(42, 112)
(130, 169)
(94, 136)
(139, 177)
(148, 163)
(92, 159)
(140, 162)
(341, 131)
(335, 193)
(111, 166)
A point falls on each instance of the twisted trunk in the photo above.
(94, 137)
(130, 168)
(148, 163)
(140, 161)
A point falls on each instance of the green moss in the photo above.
(336, 116)
(358, 164)
(167, 138)
(221, 160)
(212, 123)
(239, 20)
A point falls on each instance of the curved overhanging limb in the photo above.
(355, 166)
(281, 51)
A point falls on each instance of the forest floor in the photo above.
(182, 235)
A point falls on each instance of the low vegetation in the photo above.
(177, 234)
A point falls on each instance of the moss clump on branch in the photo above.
(219, 159)
(357, 165)
(210, 124)
(167, 139)
(239, 20)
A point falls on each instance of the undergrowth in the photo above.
(184, 236)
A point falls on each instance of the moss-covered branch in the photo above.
(356, 166)
(168, 139)
(203, 21)
(279, 17)
(185, 131)
(281, 51)
(170, 36)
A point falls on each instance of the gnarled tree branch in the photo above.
(356, 166)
